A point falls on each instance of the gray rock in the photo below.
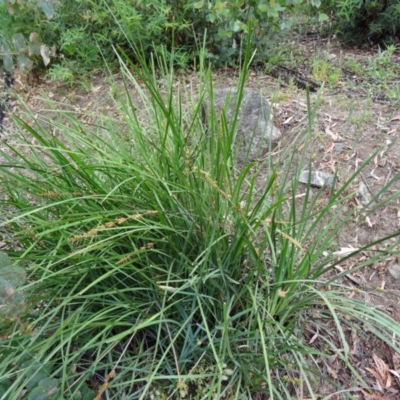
(338, 149)
(394, 270)
(255, 128)
(316, 178)
(363, 194)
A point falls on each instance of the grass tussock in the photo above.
(156, 268)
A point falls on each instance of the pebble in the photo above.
(316, 178)
(394, 270)
(363, 194)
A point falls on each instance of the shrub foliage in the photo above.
(358, 21)
(83, 32)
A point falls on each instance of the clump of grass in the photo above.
(155, 270)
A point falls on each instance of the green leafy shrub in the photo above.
(358, 21)
(19, 38)
(79, 34)
(74, 33)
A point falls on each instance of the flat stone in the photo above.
(316, 178)
(363, 194)
(256, 131)
(394, 270)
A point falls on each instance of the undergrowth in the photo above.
(157, 268)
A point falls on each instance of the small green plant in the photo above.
(63, 73)
(384, 56)
(353, 66)
(324, 71)
(379, 66)
(334, 77)
(393, 92)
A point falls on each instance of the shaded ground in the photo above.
(358, 113)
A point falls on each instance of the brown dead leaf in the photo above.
(287, 120)
(396, 118)
(314, 338)
(357, 161)
(336, 138)
(335, 396)
(396, 361)
(390, 358)
(375, 375)
(330, 149)
(368, 220)
(355, 339)
(370, 396)
(395, 373)
(381, 374)
(383, 369)
(332, 372)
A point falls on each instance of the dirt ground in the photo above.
(355, 117)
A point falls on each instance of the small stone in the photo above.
(255, 128)
(394, 270)
(338, 149)
(317, 178)
(363, 194)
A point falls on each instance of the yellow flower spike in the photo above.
(124, 259)
(109, 224)
(76, 238)
(50, 194)
(110, 375)
(120, 221)
(93, 231)
(212, 183)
